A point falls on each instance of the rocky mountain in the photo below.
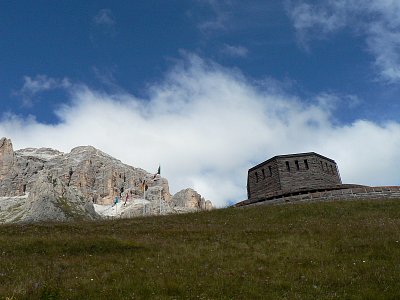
(46, 184)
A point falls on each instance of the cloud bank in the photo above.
(378, 22)
(206, 125)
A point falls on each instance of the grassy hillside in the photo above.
(304, 251)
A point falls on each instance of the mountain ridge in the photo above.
(39, 184)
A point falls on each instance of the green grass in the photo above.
(336, 250)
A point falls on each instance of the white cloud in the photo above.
(377, 21)
(106, 76)
(330, 101)
(220, 15)
(235, 51)
(40, 83)
(218, 23)
(206, 125)
(307, 17)
(104, 18)
(104, 25)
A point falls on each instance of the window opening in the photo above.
(270, 170)
(263, 172)
(287, 166)
(256, 177)
(322, 165)
(296, 162)
(306, 164)
(333, 172)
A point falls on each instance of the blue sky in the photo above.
(206, 88)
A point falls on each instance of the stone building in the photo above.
(292, 174)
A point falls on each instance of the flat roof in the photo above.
(290, 156)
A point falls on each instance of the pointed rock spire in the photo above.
(6, 157)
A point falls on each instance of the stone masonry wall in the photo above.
(321, 173)
(291, 173)
(263, 180)
(371, 193)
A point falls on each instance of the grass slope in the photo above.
(330, 250)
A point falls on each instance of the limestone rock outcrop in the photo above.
(189, 198)
(46, 184)
(50, 200)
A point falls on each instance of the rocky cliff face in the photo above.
(189, 198)
(45, 184)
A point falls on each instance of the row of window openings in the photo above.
(296, 163)
(263, 173)
(328, 168)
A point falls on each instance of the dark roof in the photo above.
(291, 156)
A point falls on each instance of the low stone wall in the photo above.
(380, 192)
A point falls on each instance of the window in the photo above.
(333, 172)
(287, 166)
(306, 164)
(256, 177)
(270, 170)
(296, 162)
(263, 172)
(327, 169)
(322, 165)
